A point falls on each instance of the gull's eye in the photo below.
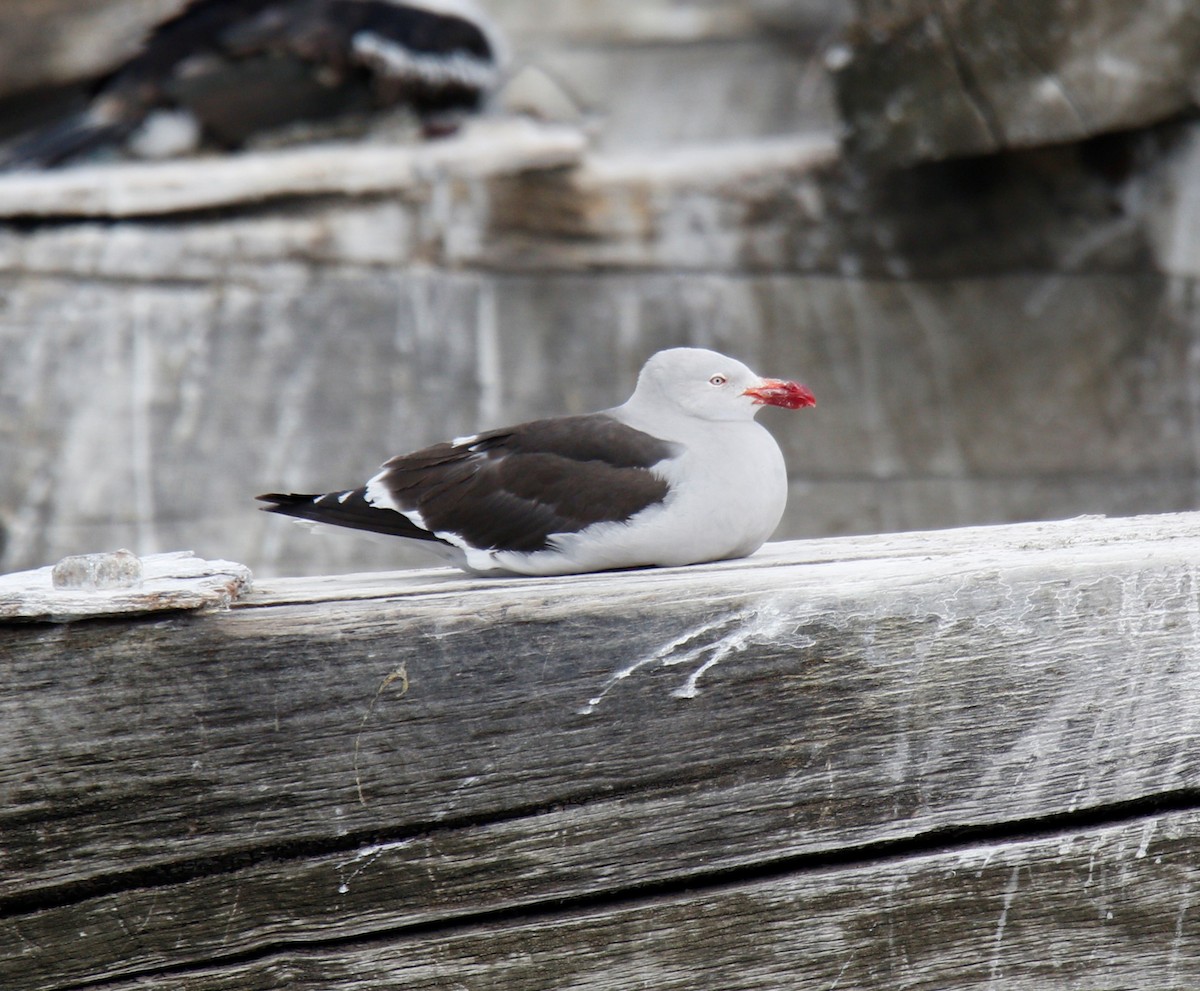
(718, 380)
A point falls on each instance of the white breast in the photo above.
(728, 493)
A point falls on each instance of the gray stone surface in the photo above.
(918, 80)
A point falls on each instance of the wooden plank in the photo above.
(90, 585)
(1103, 908)
(999, 544)
(189, 788)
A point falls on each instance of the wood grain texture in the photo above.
(379, 757)
(1097, 909)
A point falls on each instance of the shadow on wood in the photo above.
(936, 759)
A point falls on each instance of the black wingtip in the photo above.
(348, 508)
(282, 499)
(61, 141)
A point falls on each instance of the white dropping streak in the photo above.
(142, 454)
(487, 350)
(739, 631)
(1147, 835)
(662, 655)
(1010, 893)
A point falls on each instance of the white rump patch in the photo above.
(465, 441)
(166, 134)
(345, 495)
(393, 59)
(415, 518)
(377, 494)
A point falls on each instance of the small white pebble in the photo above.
(96, 572)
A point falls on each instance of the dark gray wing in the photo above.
(348, 508)
(512, 489)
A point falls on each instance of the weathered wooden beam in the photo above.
(1110, 907)
(339, 779)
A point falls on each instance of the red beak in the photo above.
(776, 392)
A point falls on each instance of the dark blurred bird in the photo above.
(222, 71)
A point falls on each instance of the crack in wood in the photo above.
(942, 840)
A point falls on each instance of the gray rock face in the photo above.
(920, 80)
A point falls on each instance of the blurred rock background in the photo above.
(972, 228)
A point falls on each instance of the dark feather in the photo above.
(64, 139)
(512, 489)
(425, 31)
(241, 66)
(353, 512)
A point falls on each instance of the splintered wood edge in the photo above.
(485, 148)
(174, 581)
